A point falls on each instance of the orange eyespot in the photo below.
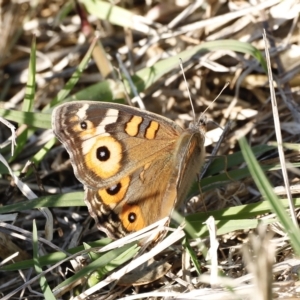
(115, 193)
(132, 217)
(103, 156)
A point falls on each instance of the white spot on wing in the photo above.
(87, 145)
(111, 117)
(81, 114)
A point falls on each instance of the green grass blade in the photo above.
(30, 87)
(28, 99)
(223, 163)
(52, 258)
(267, 192)
(74, 79)
(232, 218)
(48, 295)
(238, 212)
(193, 256)
(38, 120)
(39, 156)
(62, 200)
(106, 91)
(114, 14)
(101, 263)
(147, 76)
(213, 182)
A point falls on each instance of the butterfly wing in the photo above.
(134, 164)
(108, 141)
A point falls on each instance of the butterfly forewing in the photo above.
(106, 141)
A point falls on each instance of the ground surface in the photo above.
(219, 42)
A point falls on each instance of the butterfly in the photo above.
(136, 166)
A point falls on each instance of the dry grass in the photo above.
(162, 30)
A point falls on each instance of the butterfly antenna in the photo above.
(224, 87)
(187, 87)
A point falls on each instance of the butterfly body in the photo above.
(136, 166)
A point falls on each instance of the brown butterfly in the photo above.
(136, 166)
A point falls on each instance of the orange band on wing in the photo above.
(151, 130)
(132, 127)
